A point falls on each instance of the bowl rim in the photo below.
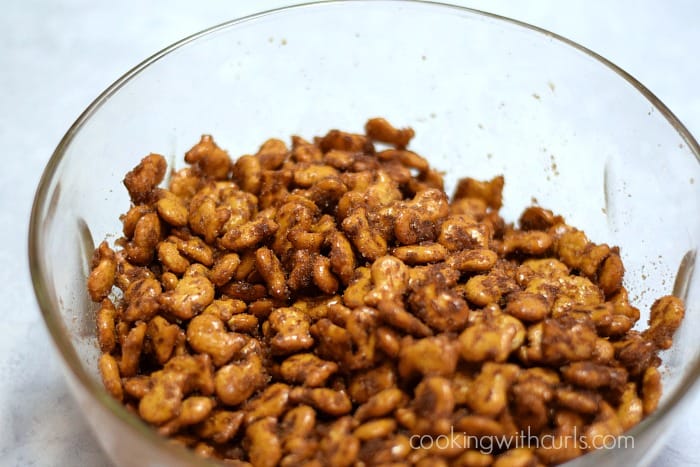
(40, 278)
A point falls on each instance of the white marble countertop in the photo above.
(55, 57)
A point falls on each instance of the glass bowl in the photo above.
(485, 94)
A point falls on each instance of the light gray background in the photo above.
(56, 56)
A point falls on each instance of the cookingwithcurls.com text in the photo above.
(491, 444)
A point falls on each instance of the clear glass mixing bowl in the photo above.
(486, 95)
